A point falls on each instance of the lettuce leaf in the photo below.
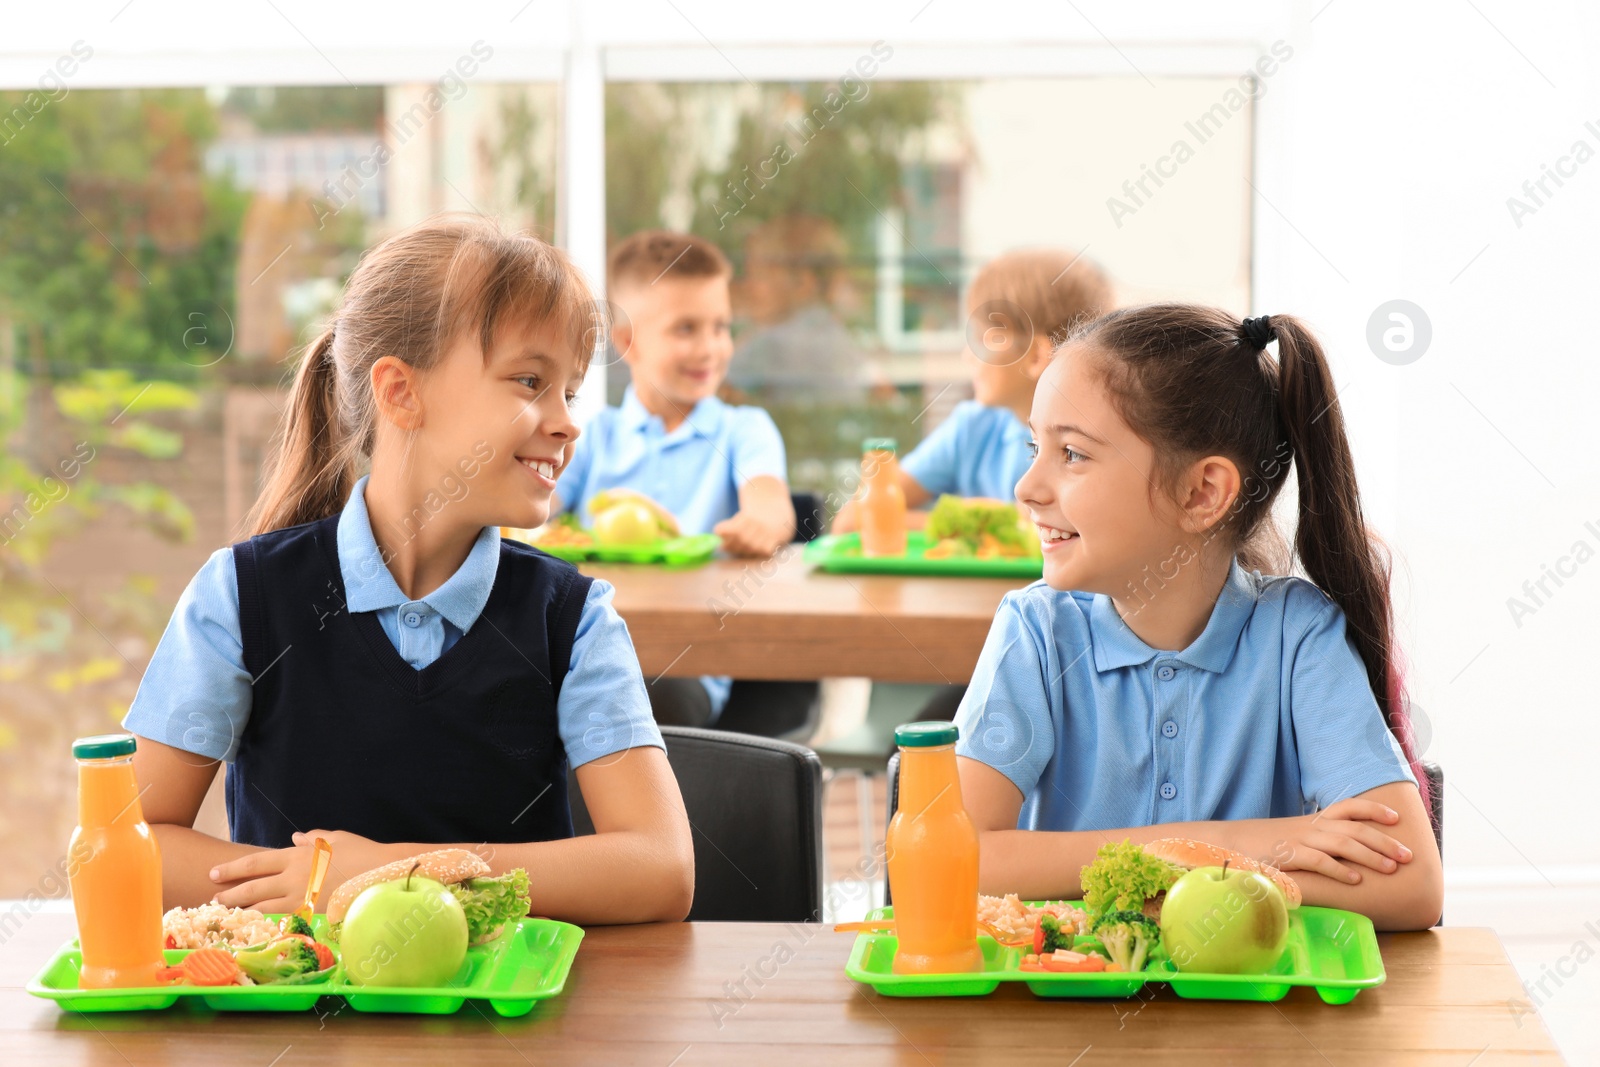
(969, 520)
(491, 902)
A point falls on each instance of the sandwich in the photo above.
(1184, 854)
(489, 901)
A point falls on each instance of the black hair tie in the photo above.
(1258, 332)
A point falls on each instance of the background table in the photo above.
(780, 619)
(679, 995)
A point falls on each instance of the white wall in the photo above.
(1385, 153)
(1049, 154)
(1391, 155)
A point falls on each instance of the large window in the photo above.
(165, 252)
(856, 213)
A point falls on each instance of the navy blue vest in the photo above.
(344, 734)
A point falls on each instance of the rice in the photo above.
(214, 924)
(1015, 920)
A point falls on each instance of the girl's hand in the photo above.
(275, 880)
(1347, 831)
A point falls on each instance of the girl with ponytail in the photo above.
(374, 665)
(1156, 683)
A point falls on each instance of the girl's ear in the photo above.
(1210, 489)
(394, 391)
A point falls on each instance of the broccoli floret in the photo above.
(294, 924)
(277, 961)
(1054, 936)
(1128, 937)
(1123, 878)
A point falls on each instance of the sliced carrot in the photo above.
(874, 926)
(171, 974)
(211, 967)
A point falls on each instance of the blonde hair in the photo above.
(410, 297)
(1054, 289)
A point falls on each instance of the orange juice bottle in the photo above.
(932, 851)
(114, 865)
(883, 501)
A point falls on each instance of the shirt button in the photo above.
(1169, 729)
(1168, 790)
(413, 619)
(1166, 674)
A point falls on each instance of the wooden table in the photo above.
(679, 995)
(780, 619)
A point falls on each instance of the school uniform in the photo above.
(976, 451)
(695, 471)
(1267, 714)
(338, 702)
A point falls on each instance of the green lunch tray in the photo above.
(523, 965)
(690, 551)
(841, 554)
(1335, 951)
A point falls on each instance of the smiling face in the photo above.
(676, 339)
(1090, 489)
(498, 431)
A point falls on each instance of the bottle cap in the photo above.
(925, 734)
(103, 746)
(878, 444)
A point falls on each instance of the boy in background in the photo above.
(718, 468)
(1018, 307)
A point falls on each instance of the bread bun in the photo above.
(447, 865)
(1189, 854)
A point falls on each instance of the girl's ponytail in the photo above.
(311, 472)
(1339, 554)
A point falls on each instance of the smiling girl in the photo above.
(1152, 685)
(375, 666)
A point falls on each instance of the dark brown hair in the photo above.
(412, 297)
(1194, 382)
(648, 255)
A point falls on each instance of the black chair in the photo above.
(808, 516)
(1433, 771)
(755, 810)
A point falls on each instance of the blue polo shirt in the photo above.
(195, 694)
(1268, 713)
(695, 471)
(977, 451)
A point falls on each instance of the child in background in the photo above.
(1018, 307)
(716, 467)
(1154, 686)
(376, 666)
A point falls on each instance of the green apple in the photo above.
(627, 522)
(407, 932)
(1218, 921)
